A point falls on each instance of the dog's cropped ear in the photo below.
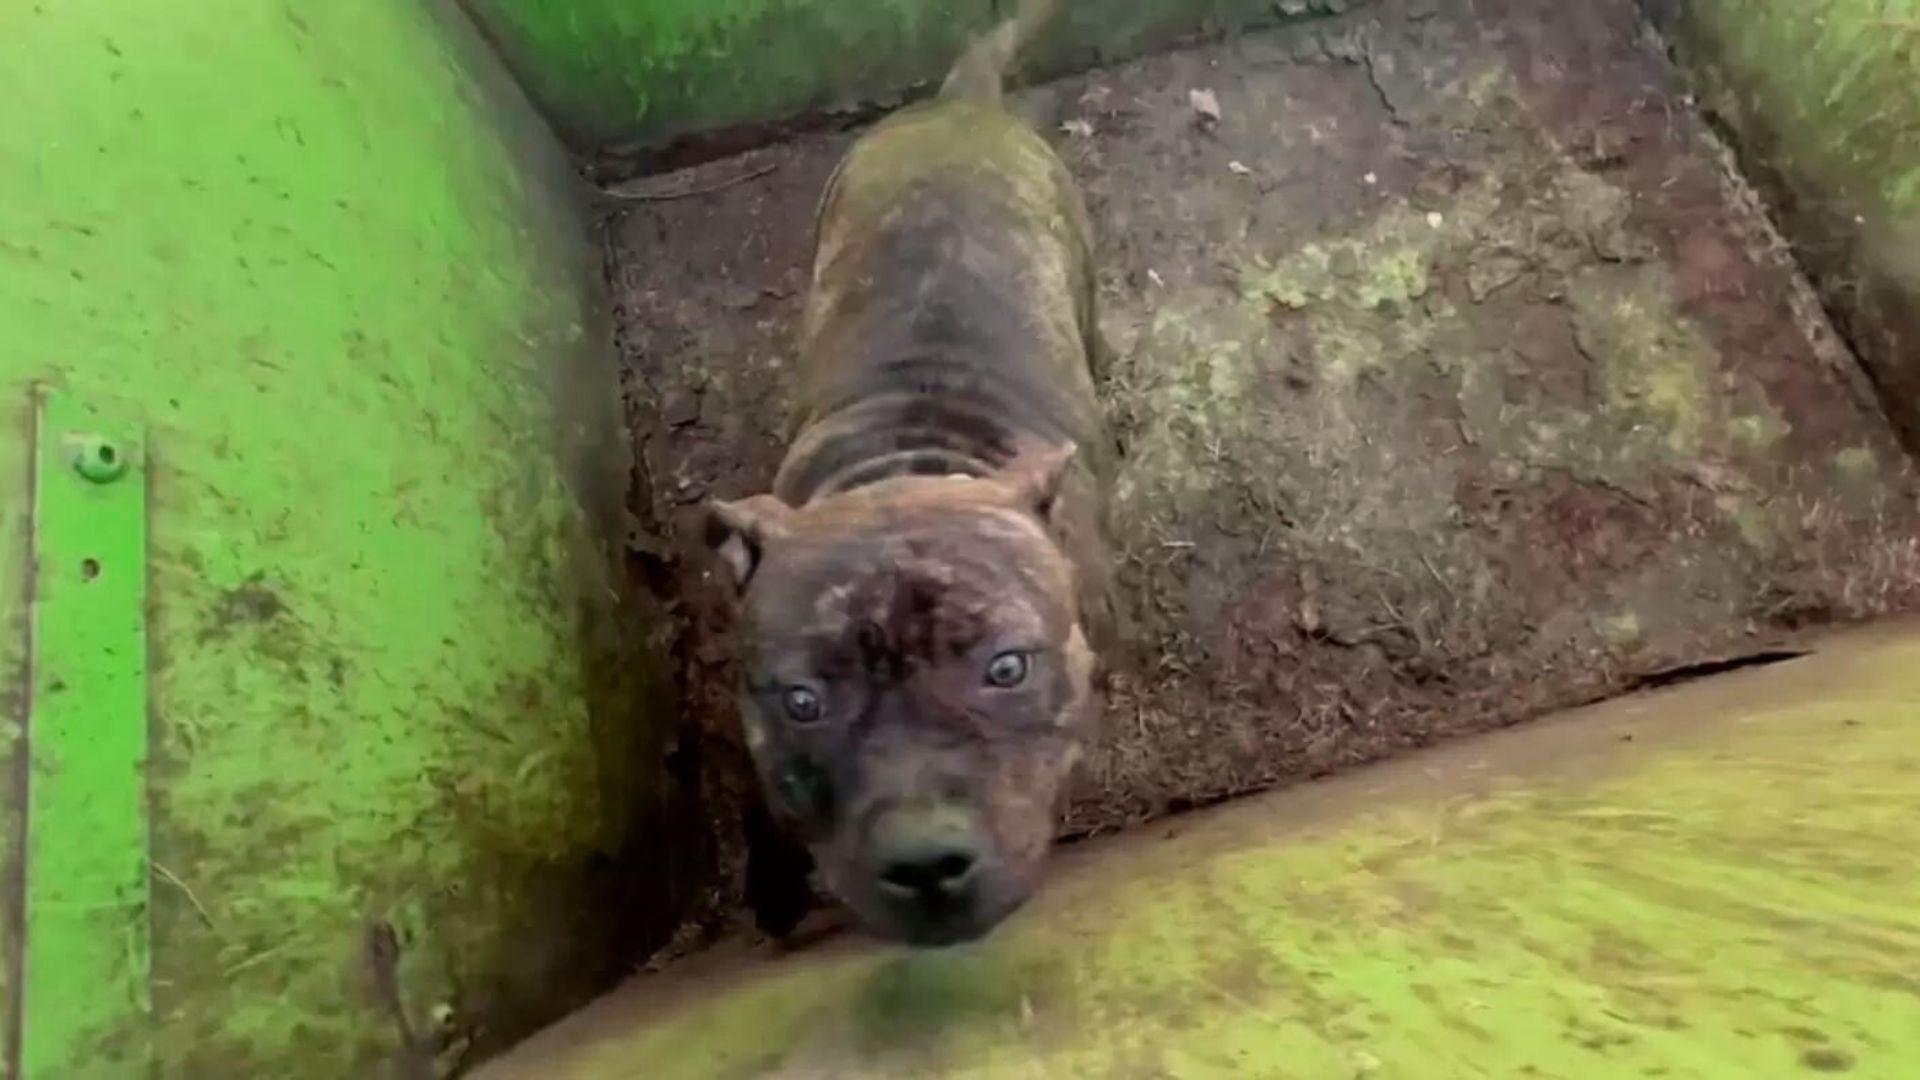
(1033, 478)
(741, 530)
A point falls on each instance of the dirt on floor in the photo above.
(1459, 379)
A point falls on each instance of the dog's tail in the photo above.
(981, 73)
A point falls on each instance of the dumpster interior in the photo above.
(1458, 373)
(1471, 365)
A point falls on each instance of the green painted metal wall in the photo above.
(618, 73)
(321, 266)
(1824, 101)
(1713, 883)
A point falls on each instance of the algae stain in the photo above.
(1757, 432)
(916, 1009)
(1653, 366)
(1484, 87)
(1756, 526)
(1358, 293)
(1657, 371)
(1189, 380)
(1856, 464)
(1624, 630)
(1400, 274)
(1330, 315)
(1390, 263)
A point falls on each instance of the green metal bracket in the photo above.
(84, 970)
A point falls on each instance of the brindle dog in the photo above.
(919, 591)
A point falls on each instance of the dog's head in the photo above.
(917, 683)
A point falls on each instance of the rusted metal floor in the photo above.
(1458, 377)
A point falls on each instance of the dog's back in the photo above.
(950, 311)
(950, 322)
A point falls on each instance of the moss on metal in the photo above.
(1363, 307)
(610, 72)
(326, 258)
(1714, 881)
(1824, 101)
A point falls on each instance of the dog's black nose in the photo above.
(926, 854)
(934, 872)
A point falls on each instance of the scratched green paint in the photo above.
(609, 72)
(333, 266)
(1837, 83)
(16, 472)
(1825, 97)
(1713, 882)
(616, 73)
(86, 965)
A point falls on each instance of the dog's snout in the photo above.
(926, 853)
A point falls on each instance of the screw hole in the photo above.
(98, 459)
(89, 569)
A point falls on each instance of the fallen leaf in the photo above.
(1205, 105)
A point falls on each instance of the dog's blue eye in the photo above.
(803, 705)
(1007, 670)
